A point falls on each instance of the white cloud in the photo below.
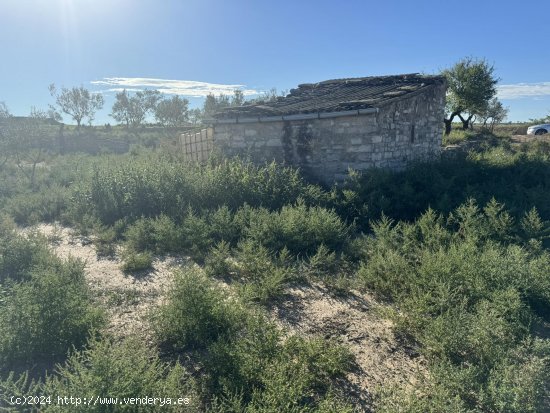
(119, 89)
(170, 87)
(524, 90)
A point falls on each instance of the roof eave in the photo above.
(297, 116)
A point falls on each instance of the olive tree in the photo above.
(77, 102)
(172, 112)
(493, 114)
(471, 86)
(133, 109)
(213, 104)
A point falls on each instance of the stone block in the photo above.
(365, 156)
(364, 148)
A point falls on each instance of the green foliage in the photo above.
(458, 136)
(46, 205)
(263, 275)
(299, 228)
(493, 114)
(158, 235)
(17, 385)
(105, 242)
(323, 263)
(106, 370)
(246, 364)
(42, 318)
(519, 180)
(172, 112)
(468, 281)
(133, 261)
(471, 86)
(196, 235)
(197, 313)
(154, 185)
(132, 110)
(467, 295)
(127, 369)
(77, 102)
(517, 384)
(216, 264)
(19, 255)
(213, 104)
(269, 377)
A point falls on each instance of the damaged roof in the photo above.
(336, 95)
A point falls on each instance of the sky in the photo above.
(195, 47)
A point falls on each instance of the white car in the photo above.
(538, 129)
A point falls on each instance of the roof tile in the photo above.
(336, 95)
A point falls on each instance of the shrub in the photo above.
(226, 226)
(458, 136)
(518, 381)
(196, 235)
(196, 314)
(153, 234)
(323, 263)
(152, 185)
(266, 289)
(520, 180)
(19, 255)
(127, 369)
(43, 318)
(259, 374)
(299, 228)
(263, 275)
(467, 296)
(516, 384)
(216, 264)
(133, 261)
(46, 205)
(105, 242)
(247, 366)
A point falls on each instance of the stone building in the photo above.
(328, 127)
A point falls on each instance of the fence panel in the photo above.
(197, 146)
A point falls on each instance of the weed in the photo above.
(43, 318)
(133, 261)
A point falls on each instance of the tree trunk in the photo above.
(35, 161)
(465, 122)
(448, 125)
(449, 122)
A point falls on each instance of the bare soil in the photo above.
(127, 297)
(355, 320)
(530, 138)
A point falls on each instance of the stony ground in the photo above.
(355, 320)
(126, 297)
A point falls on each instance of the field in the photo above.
(242, 288)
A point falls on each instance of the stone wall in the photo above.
(401, 131)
